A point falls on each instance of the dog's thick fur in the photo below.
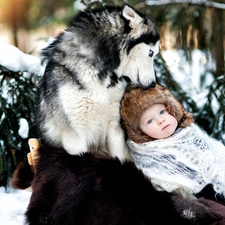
(85, 77)
(85, 190)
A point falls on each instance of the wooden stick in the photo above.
(34, 146)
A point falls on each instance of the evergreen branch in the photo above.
(194, 2)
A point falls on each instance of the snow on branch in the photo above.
(14, 59)
(194, 2)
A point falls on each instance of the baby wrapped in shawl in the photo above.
(182, 163)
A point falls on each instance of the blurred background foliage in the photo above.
(191, 24)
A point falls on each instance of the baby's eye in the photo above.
(150, 121)
(151, 53)
(162, 111)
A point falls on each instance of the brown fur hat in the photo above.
(136, 100)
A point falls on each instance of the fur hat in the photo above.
(136, 100)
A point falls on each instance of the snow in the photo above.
(24, 128)
(15, 60)
(188, 74)
(13, 203)
(78, 5)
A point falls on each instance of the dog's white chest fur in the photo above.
(89, 120)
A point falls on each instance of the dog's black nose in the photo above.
(153, 84)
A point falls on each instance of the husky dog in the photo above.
(85, 77)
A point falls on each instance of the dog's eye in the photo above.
(151, 53)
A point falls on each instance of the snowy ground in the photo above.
(13, 204)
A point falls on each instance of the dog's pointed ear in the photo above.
(131, 15)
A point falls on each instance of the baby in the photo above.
(170, 149)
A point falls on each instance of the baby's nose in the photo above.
(160, 121)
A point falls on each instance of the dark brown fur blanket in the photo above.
(84, 190)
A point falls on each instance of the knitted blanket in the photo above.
(183, 163)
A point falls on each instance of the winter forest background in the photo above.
(190, 62)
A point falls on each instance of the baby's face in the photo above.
(157, 123)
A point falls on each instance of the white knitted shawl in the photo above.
(183, 163)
